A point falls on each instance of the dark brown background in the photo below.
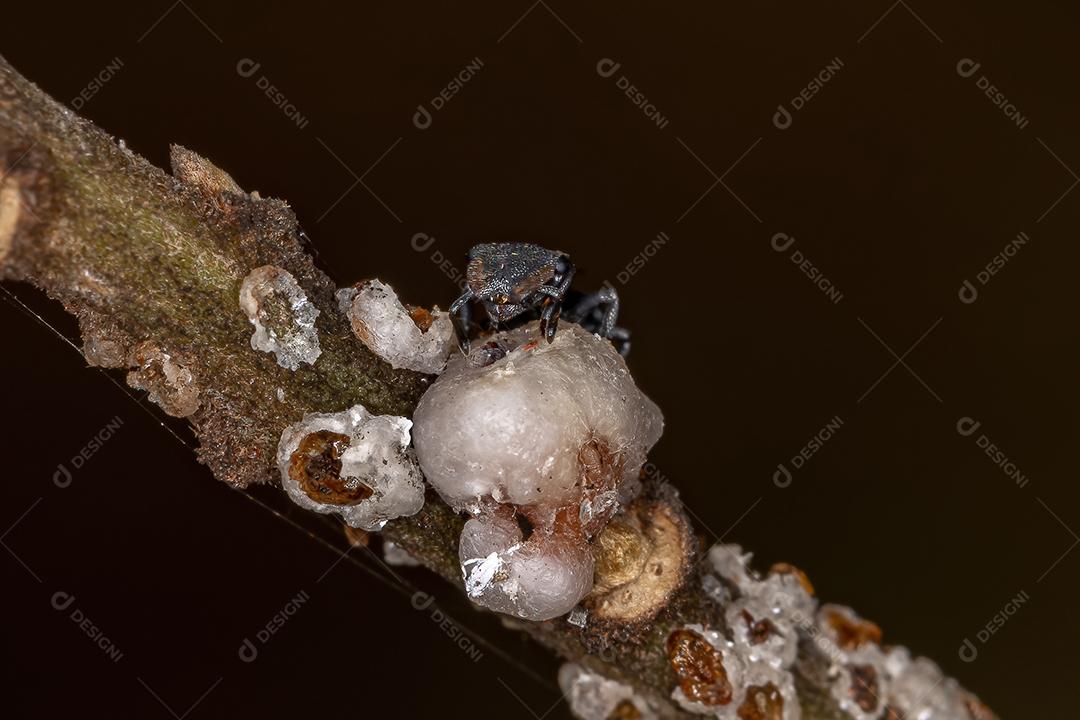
(898, 180)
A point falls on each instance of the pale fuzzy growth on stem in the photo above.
(283, 317)
(369, 475)
(592, 696)
(416, 340)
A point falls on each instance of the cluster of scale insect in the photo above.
(540, 438)
(747, 671)
(350, 463)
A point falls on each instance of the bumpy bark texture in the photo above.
(151, 265)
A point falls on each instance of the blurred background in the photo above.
(842, 233)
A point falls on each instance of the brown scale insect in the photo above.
(699, 667)
(783, 568)
(316, 465)
(864, 687)
(758, 631)
(852, 633)
(625, 710)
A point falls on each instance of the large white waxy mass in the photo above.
(556, 433)
(512, 430)
(538, 578)
(377, 455)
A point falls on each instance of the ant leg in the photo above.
(460, 316)
(607, 297)
(549, 317)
